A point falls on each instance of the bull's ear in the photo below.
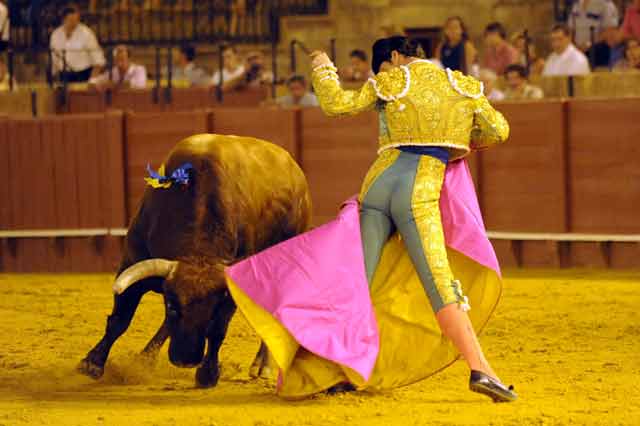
(145, 269)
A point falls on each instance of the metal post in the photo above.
(108, 95)
(10, 65)
(292, 51)
(571, 88)
(34, 103)
(219, 94)
(156, 88)
(167, 93)
(592, 50)
(333, 50)
(49, 68)
(274, 66)
(65, 83)
(527, 59)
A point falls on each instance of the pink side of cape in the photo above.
(315, 284)
(464, 229)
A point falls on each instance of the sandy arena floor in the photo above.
(569, 341)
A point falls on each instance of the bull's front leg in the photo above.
(208, 373)
(124, 307)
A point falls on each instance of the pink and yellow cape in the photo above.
(309, 301)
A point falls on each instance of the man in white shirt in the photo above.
(585, 14)
(76, 54)
(124, 74)
(299, 95)
(565, 59)
(4, 27)
(233, 71)
(488, 79)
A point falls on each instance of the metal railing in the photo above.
(152, 22)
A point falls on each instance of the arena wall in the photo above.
(558, 194)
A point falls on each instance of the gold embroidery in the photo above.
(432, 113)
(489, 126)
(425, 204)
(382, 163)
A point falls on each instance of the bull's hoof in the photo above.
(254, 371)
(260, 372)
(207, 377)
(90, 369)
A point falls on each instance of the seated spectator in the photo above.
(586, 14)
(456, 50)
(299, 95)
(536, 63)
(359, 70)
(257, 73)
(4, 79)
(188, 71)
(5, 25)
(565, 59)
(233, 71)
(606, 53)
(76, 54)
(498, 52)
(518, 87)
(631, 61)
(124, 74)
(488, 78)
(631, 24)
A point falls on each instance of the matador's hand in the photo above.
(319, 58)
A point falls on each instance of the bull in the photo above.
(243, 195)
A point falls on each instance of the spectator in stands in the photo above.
(5, 86)
(631, 24)
(299, 95)
(76, 54)
(498, 52)
(536, 63)
(123, 75)
(233, 71)
(187, 69)
(4, 27)
(608, 51)
(518, 87)
(488, 78)
(586, 14)
(631, 61)
(257, 73)
(565, 59)
(456, 50)
(359, 70)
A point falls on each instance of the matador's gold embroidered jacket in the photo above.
(425, 106)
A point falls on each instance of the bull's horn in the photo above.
(142, 270)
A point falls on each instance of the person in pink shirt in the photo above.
(124, 74)
(499, 54)
(631, 24)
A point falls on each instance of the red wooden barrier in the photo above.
(149, 138)
(604, 178)
(5, 176)
(274, 125)
(523, 181)
(335, 156)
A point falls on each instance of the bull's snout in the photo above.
(186, 352)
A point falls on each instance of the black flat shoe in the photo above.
(487, 385)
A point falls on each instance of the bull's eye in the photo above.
(172, 312)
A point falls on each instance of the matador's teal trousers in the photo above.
(402, 193)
